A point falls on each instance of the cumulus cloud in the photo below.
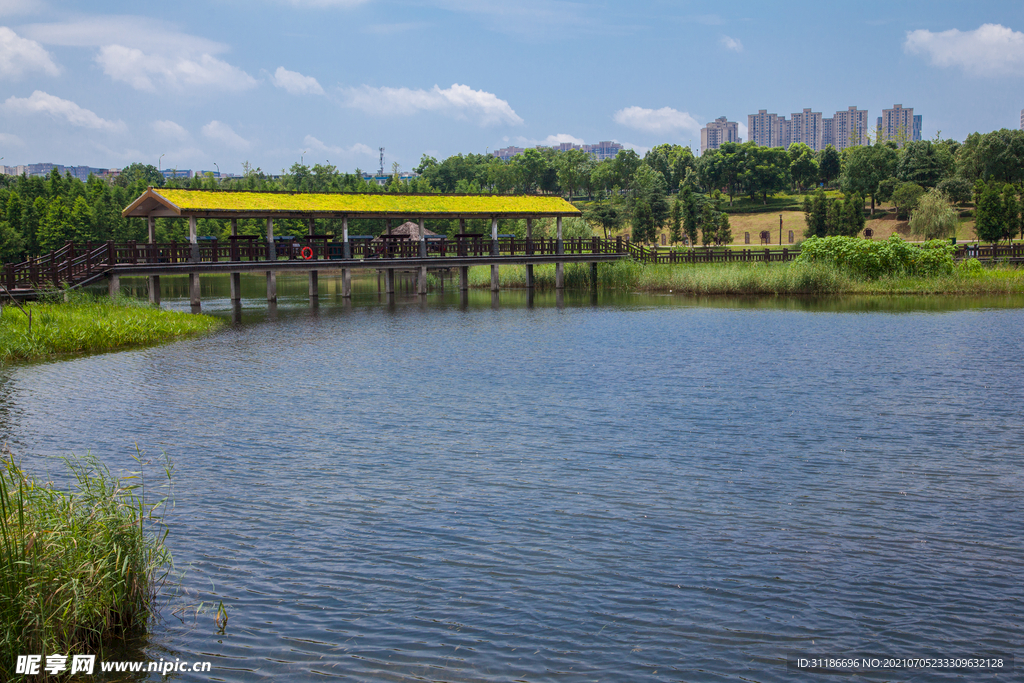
(664, 120)
(989, 50)
(223, 133)
(295, 83)
(169, 129)
(458, 101)
(44, 103)
(731, 43)
(549, 141)
(355, 150)
(139, 32)
(19, 56)
(148, 71)
(742, 131)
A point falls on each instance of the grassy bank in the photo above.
(756, 279)
(90, 325)
(76, 568)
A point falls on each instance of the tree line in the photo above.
(666, 187)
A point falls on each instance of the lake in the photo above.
(607, 487)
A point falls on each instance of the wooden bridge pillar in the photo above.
(193, 289)
(154, 280)
(593, 274)
(193, 239)
(271, 256)
(494, 252)
(346, 253)
(314, 284)
(236, 278)
(529, 250)
(559, 249)
(422, 279)
(464, 278)
(113, 285)
(389, 281)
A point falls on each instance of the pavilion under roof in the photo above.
(175, 203)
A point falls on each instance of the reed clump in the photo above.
(88, 324)
(77, 568)
(761, 279)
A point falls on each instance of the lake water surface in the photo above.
(606, 488)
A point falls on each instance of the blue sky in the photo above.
(105, 83)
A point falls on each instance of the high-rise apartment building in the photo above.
(764, 129)
(718, 131)
(806, 127)
(850, 128)
(827, 133)
(918, 124)
(896, 124)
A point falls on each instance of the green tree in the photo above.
(724, 233)
(803, 167)
(643, 222)
(866, 167)
(905, 198)
(708, 224)
(81, 221)
(934, 217)
(12, 244)
(956, 189)
(55, 227)
(829, 165)
(691, 217)
(675, 234)
(571, 166)
(605, 214)
(816, 215)
(990, 223)
(853, 216)
(1011, 211)
(767, 171)
(924, 163)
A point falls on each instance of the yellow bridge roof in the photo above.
(162, 202)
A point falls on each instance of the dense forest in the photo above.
(40, 214)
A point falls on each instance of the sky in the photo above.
(215, 84)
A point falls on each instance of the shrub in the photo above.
(873, 259)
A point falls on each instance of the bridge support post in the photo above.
(271, 256)
(422, 279)
(114, 286)
(464, 278)
(193, 239)
(314, 284)
(236, 278)
(389, 281)
(154, 289)
(154, 280)
(559, 249)
(494, 252)
(193, 289)
(593, 275)
(346, 253)
(529, 250)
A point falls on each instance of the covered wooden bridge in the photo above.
(246, 253)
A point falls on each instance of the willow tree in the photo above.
(935, 217)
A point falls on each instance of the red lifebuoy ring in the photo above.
(307, 253)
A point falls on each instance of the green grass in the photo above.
(755, 279)
(77, 569)
(90, 325)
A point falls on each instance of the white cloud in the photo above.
(731, 43)
(742, 131)
(325, 3)
(223, 133)
(358, 149)
(8, 139)
(20, 55)
(549, 141)
(989, 50)
(295, 83)
(458, 101)
(148, 71)
(43, 103)
(10, 7)
(664, 120)
(169, 129)
(139, 32)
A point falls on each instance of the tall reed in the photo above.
(87, 324)
(77, 568)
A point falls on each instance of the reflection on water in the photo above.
(637, 487)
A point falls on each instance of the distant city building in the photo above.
(766, 130)
(718, 131)
(169, 173)
(918, 124)
(827, 133)
(805, 127)
(383, 180)
(896, 124)
(506, 153)
(43, 170)
(849, 128)
(601, 151)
